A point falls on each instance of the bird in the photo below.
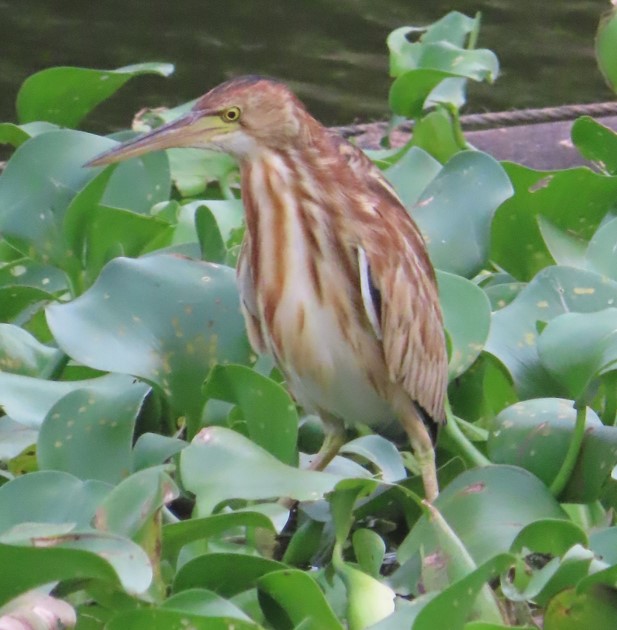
(334, 276)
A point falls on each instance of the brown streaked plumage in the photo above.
(333, 274)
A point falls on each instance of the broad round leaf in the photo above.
(268, 409)
(467, 318)
(578, 348)
(89, 433)
(595, 141)
(21, 353)
(601, 254)
(221, 464)
(224, 573)
(164, 619)
(574, 201)
(606, 48)
(535, 434)
(49, 497)
(486, 508)
(165, 319)
(457, 226)
(513, 335)
(65, 95)
(570, 610)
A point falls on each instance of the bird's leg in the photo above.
(422, 445)
(334, 438)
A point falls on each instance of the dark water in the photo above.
(332, 52)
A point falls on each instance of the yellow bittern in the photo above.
(334, 276)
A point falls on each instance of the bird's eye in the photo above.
(231, 114)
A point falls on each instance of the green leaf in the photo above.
(221, 464)
(578, 348)
(457, 228)
(134, 501)
(601, 253)
(65, 95)
(21, 353)
(89, 433)
(301, 598)
(411, 174)
(606, 48)
(49, 497)
(596, 143)
(267, 408)
(486, 508)
(28, 400)
(152, 449)
(467, 318)
(224, 573)
(381, 453)
(451, 608)
(570, 610)
(33, 567)
(535, 434)
(163, 619)
(18, 134)
(165, 319)
(575, 201)
(513, 334)
(369, 549)
(176, 535)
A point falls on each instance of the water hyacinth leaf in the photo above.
(369, 549)
(193, 169)
(15, 135)
(134, 501)
(578, 348)
(535, 434)
(556, 576)
(224, 573)
(410, 90)
(220, 465)
(164, 619)
(42, 179)
(28, 400)
(89, 433)
(165, 319)
(25, 272)
(603, 543)
(596, 142)
(205, 603)
(570, 610)
(21, 353)
(455, 27)
(601, 254)
(513, 334)
(49, 497)
(152, 449)
(486, 507)
(457, 231)
(210, 240)
(300, 596)
(436, 134)
(33, 206)
(574, 200)
(176, 535)
(228, 214)
(129, 561)
(405, 613)
(368, 600)
(64, 95)
(33, 567)
(381, 453)
(14, 439)
(268, 409)
(467, 318)
(451, 608)
(606, 48)
(411, 174)
(564, 248)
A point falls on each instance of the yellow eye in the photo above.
(231, 114)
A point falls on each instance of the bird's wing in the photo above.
(399, 294)
(248, 301)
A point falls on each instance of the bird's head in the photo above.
(237, 117)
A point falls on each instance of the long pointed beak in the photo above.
(191, 130)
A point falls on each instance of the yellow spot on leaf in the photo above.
(584, 290)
